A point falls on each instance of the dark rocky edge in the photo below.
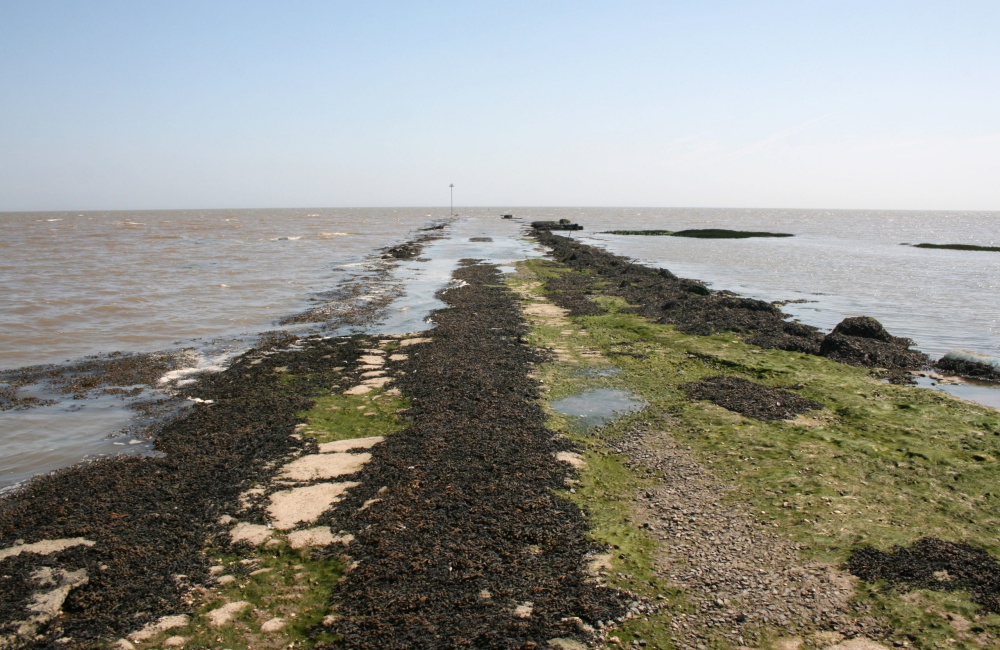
(862, 341)
(151, 518)
(701, 233)
(562, 224)
(469, 527)
(646, 233)
(961, 247)
(722, 233)
(969, 367)
(405, 251)
(750, 398)
(117, 374)
(695, 309)
(931, 563)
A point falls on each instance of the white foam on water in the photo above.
(202, 364)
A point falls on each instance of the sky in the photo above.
(712, 103)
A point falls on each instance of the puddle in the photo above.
(986, 395)
(47, 438)
(490, 240)
(596, 407)
(601, 371)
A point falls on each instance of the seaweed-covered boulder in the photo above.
(970, 365)
(862, 341)
(864, 327)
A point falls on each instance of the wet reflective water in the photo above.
(594, 408)
(988, 395)
(88, 283)
(47, 438)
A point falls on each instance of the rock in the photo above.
(970, 364)
(346, 445)
(227, 579)
(253, 534)
(414, 341)
(574, 459)
(123, 644)
(175, 641)
(562, 643)
(323, 466)
(303, 505)
(163, 624)
(864, 327)
(524, 610)
(319, 536)
(46, 605)
(360, 389)
(225, 614)
(858, 643)
(44, 547)
(862, 341)
(273, 625)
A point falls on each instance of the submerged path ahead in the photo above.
(469, 545)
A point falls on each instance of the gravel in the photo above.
(737, 575)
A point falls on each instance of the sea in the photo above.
(77, 285)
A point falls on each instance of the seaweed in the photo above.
(931, 563)
(960, 247)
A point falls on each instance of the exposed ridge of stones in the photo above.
(738, 576)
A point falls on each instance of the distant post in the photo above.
(451, 205)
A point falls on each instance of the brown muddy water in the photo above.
(203, 284)
(200, 286)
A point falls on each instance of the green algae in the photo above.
(341, 417)
(938, 455)
(278, 582)
(879, 465)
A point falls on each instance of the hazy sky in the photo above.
(211, 104)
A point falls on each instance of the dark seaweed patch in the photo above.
(722, 233)
(862, 341)
(701, 233)
(960, 247)
(970, 368)
(750, 399)
(649, 233)
(469, 526)
(933, 564)
(151, 518)
(661, 296)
